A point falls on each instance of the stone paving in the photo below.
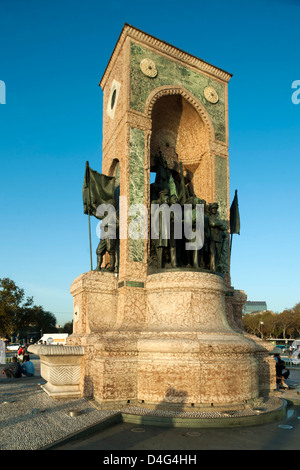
(25, 406)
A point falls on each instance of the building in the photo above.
(254, 307)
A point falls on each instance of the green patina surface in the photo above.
(221, 184)
(134, 284)
(171, 73)
(136, 186)
(221, 198)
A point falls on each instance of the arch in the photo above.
(114, 170)
(182, 130)
(179, 90)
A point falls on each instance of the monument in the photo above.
(160, 324)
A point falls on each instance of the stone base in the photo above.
(191, 370)
(168, 343)
(62, 391)
(61, 367)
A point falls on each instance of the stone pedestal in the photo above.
(182, 350)
(61, 366)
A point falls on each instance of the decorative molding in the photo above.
(219, 148)
(57, 350)
(179, 90)
(162, 46)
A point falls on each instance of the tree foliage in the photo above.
(269, 324)
(18, 314)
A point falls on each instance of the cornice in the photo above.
(162, 46)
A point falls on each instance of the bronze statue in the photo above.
(173, 241)
(217, 236)
(204, 261)
(108, 243)
(162, 241)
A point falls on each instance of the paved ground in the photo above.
(129, 437)
(30, 419)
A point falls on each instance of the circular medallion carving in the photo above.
(148, 68)
(211, 95)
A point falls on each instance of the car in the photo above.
(13, 347)
(282, 347)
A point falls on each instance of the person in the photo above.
(281, 372)
(20, 353)
(27, 367)
(13, 369)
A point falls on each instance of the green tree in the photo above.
(44, 321)
(252, 323)
(285, 322)
(15, 309)
(19, 315)
(296, 315)
(269, 324)
(68, 327)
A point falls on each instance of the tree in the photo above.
(269, 324)
(14, 307)
(18, 314)
(68, 327)
(43, 320)
(285, 321)
(252, 323)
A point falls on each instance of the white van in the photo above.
(295, 344)
(53, 338)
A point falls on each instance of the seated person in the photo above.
(281, 372)
(27, 367)
(12, 370)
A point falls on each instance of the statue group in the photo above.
(174, 187)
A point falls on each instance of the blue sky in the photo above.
(52, 57)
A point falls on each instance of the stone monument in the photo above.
(160, 325)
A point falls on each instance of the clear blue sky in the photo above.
(52, 57)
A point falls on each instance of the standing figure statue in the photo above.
(163, 173)
(204, 252)
(107, 244)
(162, 242)
(174, 245)
(217, 236)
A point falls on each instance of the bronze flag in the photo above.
(97, 189)
(235, 216)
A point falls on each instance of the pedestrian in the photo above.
(281, 371)
(21, 353)
(13, 369)
(27, 367)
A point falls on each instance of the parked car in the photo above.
(13, 347)
(282, 347)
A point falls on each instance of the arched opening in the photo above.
(181, 137)
(180, 172)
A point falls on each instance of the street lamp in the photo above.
(260, 328)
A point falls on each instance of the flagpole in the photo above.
(91, 258)
(89, 219)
